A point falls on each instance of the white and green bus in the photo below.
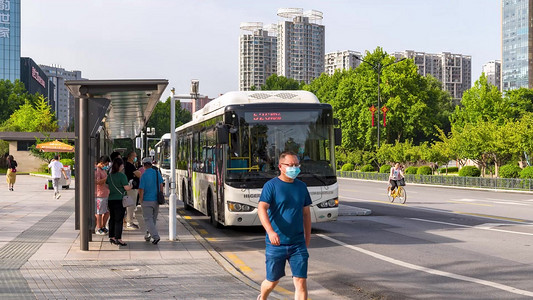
(230, 149)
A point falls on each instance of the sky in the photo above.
(183, 40)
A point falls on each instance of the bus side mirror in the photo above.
(338, 136)
(222, 134)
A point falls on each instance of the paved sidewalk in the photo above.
(40, 256)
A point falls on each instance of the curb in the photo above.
(222, 261)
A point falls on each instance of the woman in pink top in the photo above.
(102, 192)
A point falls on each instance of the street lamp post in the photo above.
(378, 68)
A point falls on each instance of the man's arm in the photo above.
(141, 194)
(64, 173)
(307, 225)
(263, 217)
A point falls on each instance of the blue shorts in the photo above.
(276, 256)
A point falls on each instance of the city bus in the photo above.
(230, 149)
(162, 155)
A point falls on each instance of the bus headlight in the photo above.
(238, 207)
(329, 203)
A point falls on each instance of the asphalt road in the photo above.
(443, 243)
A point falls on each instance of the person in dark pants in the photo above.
(118, 185)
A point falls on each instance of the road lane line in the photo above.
(469, 203)
(475, 227)
(429, 270)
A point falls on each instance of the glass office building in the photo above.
(10, 39)
(517, 56)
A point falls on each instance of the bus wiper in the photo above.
(315, 176)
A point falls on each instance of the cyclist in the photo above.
(396, 174)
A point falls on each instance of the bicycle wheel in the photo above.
(402, 195)
(391, 196)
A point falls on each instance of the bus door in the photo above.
(219, 181)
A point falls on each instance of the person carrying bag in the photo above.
(119, 183)
(149, 191)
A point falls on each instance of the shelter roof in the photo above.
(131, 102)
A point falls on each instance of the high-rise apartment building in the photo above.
(301, 44)
(454, 71)
(257, 55)
(517, 49)
(64, 105)
(341, 60)
(493, 72)
(10, 39)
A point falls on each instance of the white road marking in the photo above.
(482, 227)
(429, 270)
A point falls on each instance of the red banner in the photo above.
(384, 109)
(373, 109)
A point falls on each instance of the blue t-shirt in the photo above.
(285, 213)
(149, 184)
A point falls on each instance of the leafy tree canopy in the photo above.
(275, 82)
(30, 118)
(13, 95)
(160, 118)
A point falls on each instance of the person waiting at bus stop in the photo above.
(284, 212)
(148, 198)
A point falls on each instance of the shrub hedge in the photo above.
(385, 169)
(424, 170)
(509, 171)
(469, 171)
(526, 172)
(411, 170)
(347, 167)
(450, 170)
(368, 168)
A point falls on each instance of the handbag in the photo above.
(160, 195)
(127, 201)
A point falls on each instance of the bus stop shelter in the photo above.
(105, 110)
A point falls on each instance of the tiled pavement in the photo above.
(40, 256)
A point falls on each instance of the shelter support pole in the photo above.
(84, 173)
(172, 198)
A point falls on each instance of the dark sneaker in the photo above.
(105, 230)
(155, 241)
(147, 237)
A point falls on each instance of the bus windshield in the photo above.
(258, 137)
(164, 155)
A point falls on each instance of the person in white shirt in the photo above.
(56, 167)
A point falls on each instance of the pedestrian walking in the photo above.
(133, 176)
(101, 195)
(118, 185)
(285, 215)
(148, 189)
(56, 168)
(11, 174)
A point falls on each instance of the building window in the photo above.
(24, 145)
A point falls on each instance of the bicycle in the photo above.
(399, 193)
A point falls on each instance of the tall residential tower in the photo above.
(342, 60)
(301, 44)
(257, 55)
(454, 71)
(493, 72)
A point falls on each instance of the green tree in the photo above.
(13, 95)
(29, 118)
(160, 118)
(275, 82)
(416, 104)
(482, 102)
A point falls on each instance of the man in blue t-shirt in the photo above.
(284, 213)
(148, 198)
